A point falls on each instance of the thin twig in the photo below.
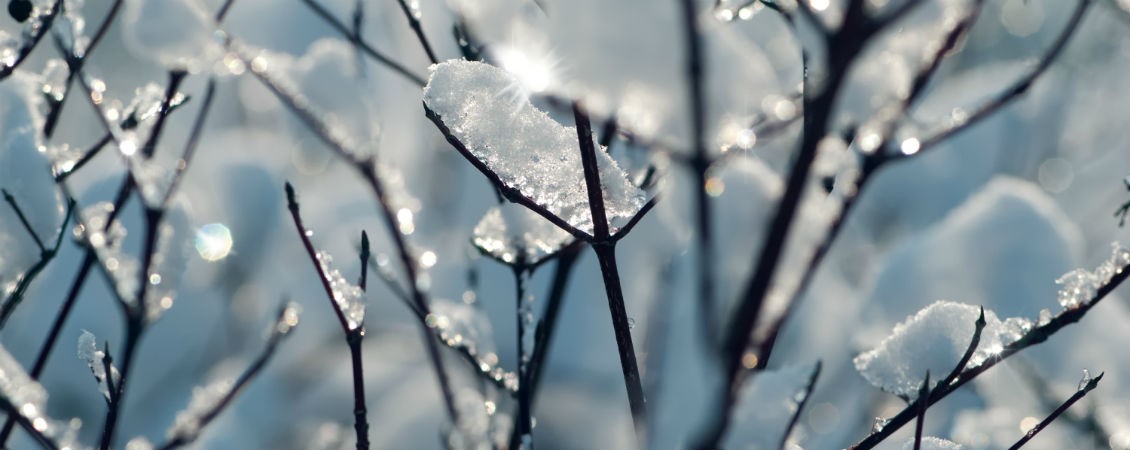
(412, 13)
(1090, 385)
(800, 405)
(353, 334)
(23, 219)
(605, 249)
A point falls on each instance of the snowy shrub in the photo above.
(735, 224)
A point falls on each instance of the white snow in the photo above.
(348, 296)
(178, 34)
(509, 231)
(528, 150)
(89, 352)
(626, 59)
(933, 340)
(1079, 286)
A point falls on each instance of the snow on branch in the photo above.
(481, 111)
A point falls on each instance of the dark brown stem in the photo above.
(605, 249)
(1090, 385)
(414, 22)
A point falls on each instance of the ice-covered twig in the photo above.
(1036, 335)
(344, 300)
(100, 364)
(487, 371)
(348, 305)
(510, 193)
(75, 62)
(804, 396)
(356, 40)
(1087, 384)
(207, 403)
(37, 30)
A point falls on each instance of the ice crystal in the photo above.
(482, 106)
(350, 298)
(1080, 286)
(95, 359)
(510, 232)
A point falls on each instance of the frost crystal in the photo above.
(95, 359)
(510, 232)
(932, 340)
(1079, 287)
(349, 297)
(204, 400)
(482, 106)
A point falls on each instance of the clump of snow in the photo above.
(1078, 287)
(178, 34)
(933, 340)
(95, 359)
(348, 296)
(639, 74)
(483, 107)
(510, 233)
